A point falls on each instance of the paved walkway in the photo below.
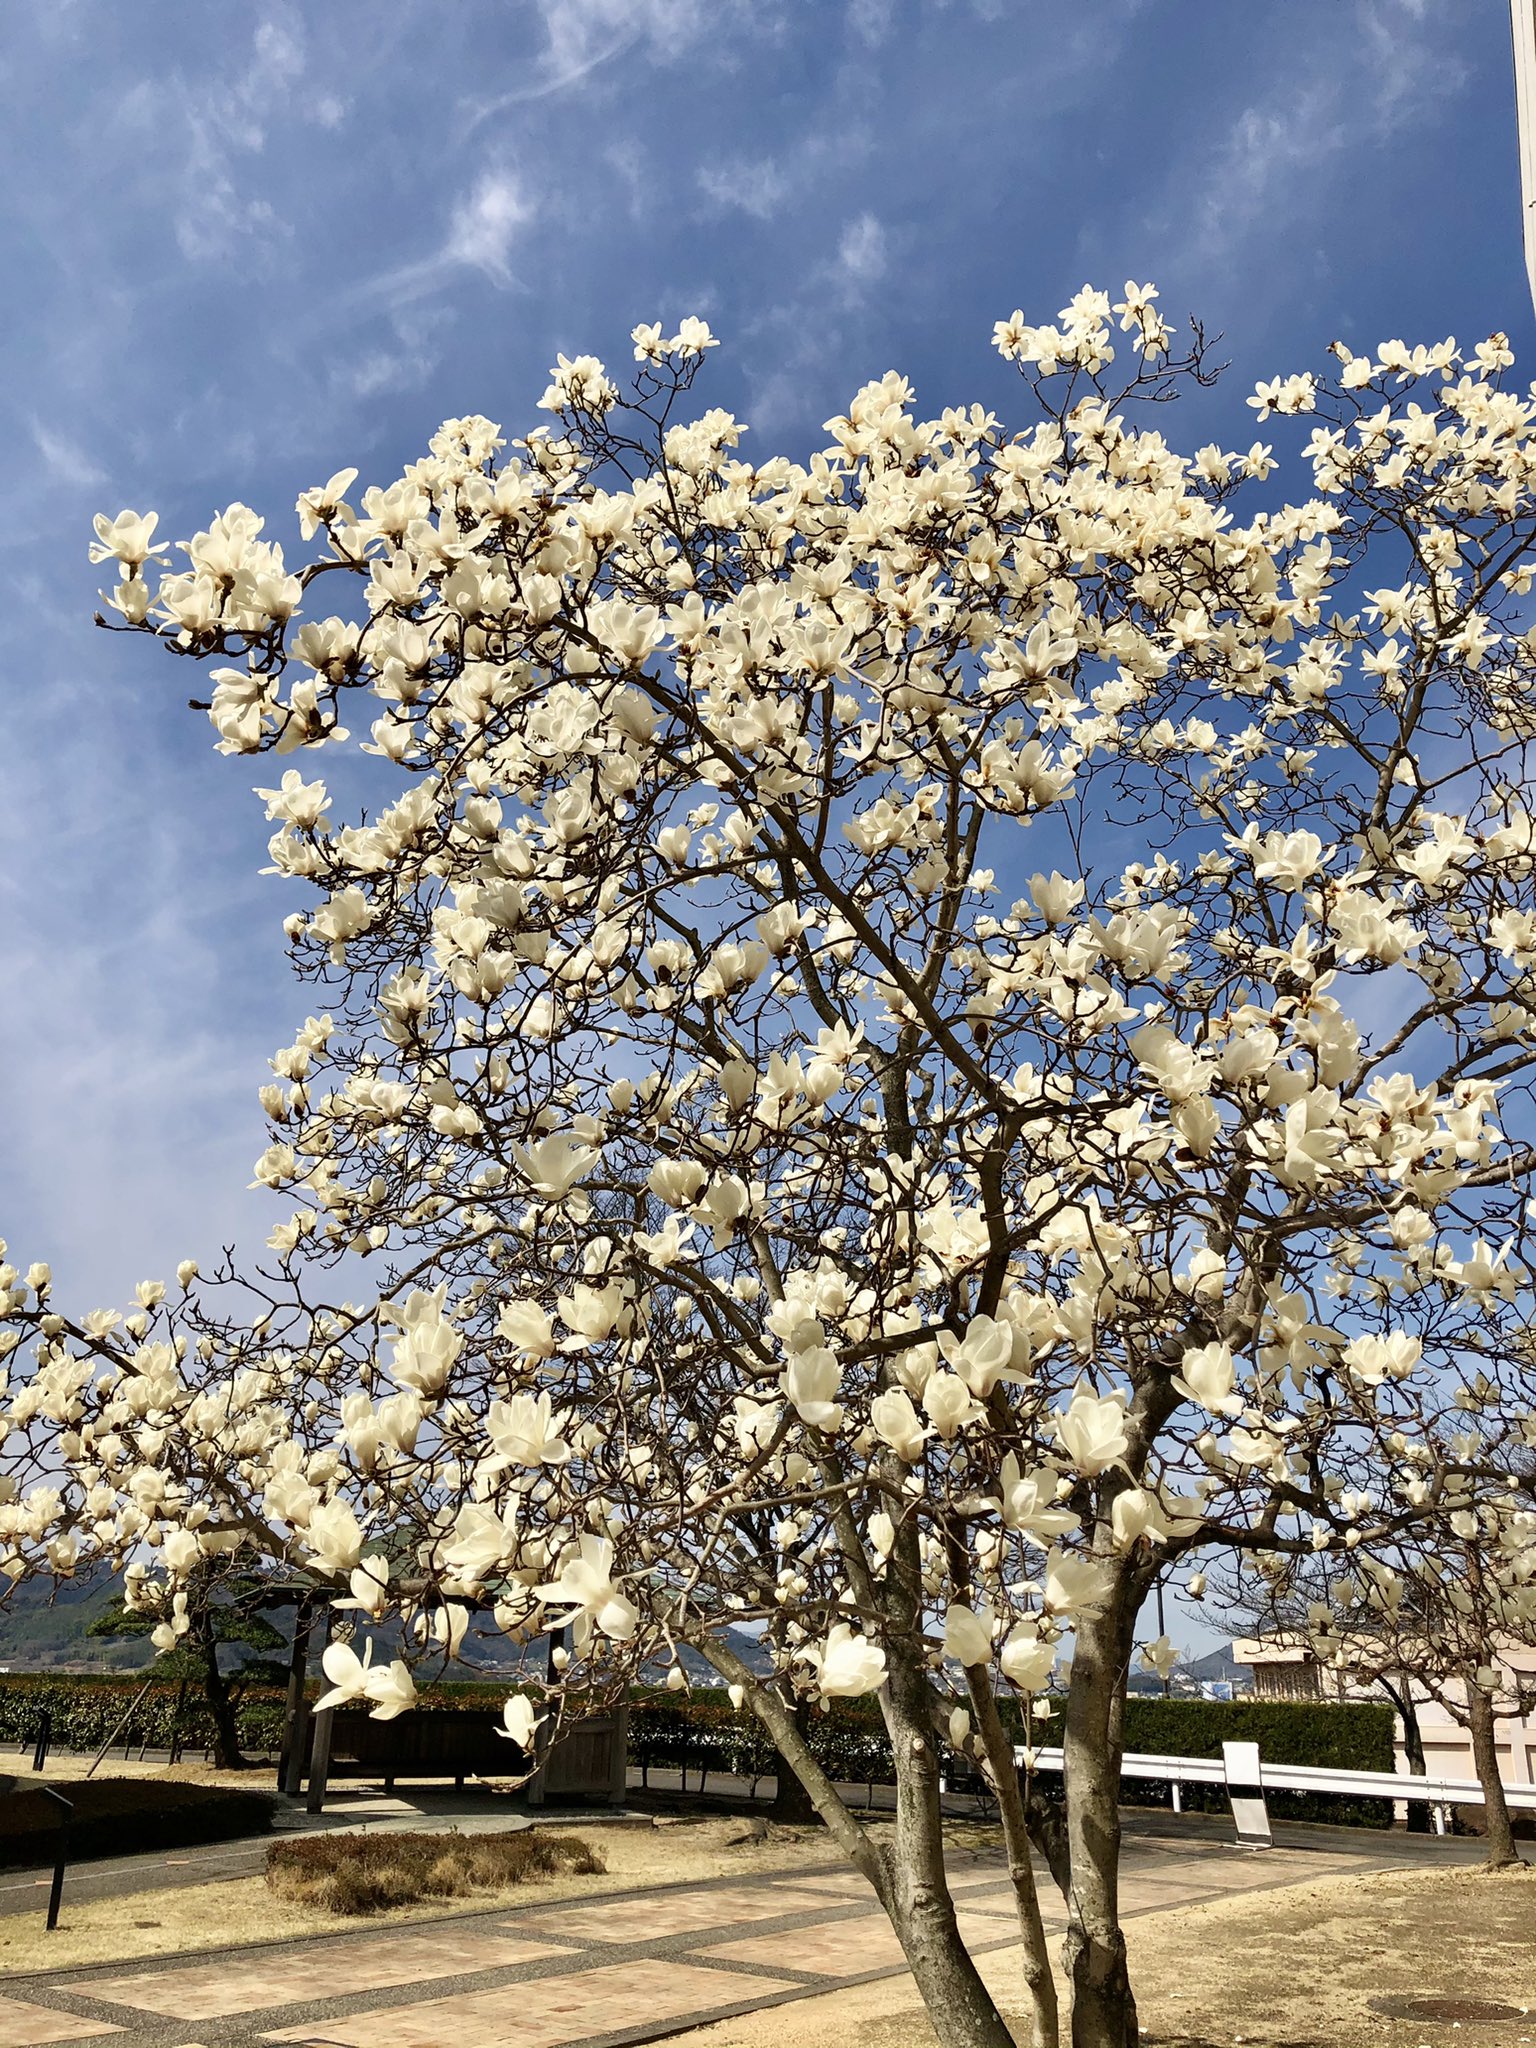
(619, 1968)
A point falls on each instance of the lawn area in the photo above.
(162, 1922)
(1298, 1967)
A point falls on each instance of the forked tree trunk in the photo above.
(1485, 1756)
(914, 1890)
(908, 1879)
(1039, 1982)
(1103, 2009)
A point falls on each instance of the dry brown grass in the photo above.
(1300, 1966)
(162, 1921)
(358, 1874)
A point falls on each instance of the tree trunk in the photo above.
(226, 1732)
(290, 1767)
(908, 1880)
(1485, 1754)
(1103, 2010)
(1039, 1981)
(914, 1889)
(1413, 1748)
(792, 1802)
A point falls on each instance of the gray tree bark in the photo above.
(1039, 1981)
(1103, 2009)
(1485, 1755)
(908, 1878)
(915, 1892)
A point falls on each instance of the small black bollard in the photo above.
(60, 1859)
(61, 1852)
(44, 1738)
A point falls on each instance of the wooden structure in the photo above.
(590, 1760)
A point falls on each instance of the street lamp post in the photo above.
(1522, 15)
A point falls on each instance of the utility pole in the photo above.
(1522, 16)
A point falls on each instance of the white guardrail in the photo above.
(1247, 1777)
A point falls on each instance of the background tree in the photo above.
(910, 1038)
(1436, 1609)
(223, 1610)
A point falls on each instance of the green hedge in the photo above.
(700, 1734)
(1355, 1737)
(86, 1707)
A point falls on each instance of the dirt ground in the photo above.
(155, 1923)
(1294, 1968)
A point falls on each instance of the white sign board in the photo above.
(1245, 1790)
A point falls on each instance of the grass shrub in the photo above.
(360, 1874)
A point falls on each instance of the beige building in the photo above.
(1287, 1670)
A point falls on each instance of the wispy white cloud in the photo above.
(225, 118)
(861, 254)
(66, 460)
(871, 20)
(758, 186)
(485, 223)
(1389, 68)
(581, 36)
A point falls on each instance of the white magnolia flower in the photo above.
(527, 1431)
(370, 1587)
(333, 1537)
(1160, 1657)
(1207, 1375)
(1027, 1658)
(1075, 1585)
(584, 1588)
(388, 1686)
(1091, 1430)
(520, 1722)
(896, 1420)
(967, 1635)
(556, 1164)
(846, 1665)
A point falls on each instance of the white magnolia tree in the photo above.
(903, 1039)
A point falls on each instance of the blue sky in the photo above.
(247, 246)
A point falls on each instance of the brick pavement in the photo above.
(609, 1970)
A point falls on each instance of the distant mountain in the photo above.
(43, 1627)
(1218, 1667)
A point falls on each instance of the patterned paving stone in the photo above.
(965, 1880)
(844, 1882)
(855, 1886)
(620, 1997)
(24, 2025)
(846, 1948)
(1001, 1903)
(669, 1913)
(328, 1969)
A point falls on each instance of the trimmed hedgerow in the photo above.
(1348, 1737)
(86, 1707)
(122, 1816)
(700, 1735)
